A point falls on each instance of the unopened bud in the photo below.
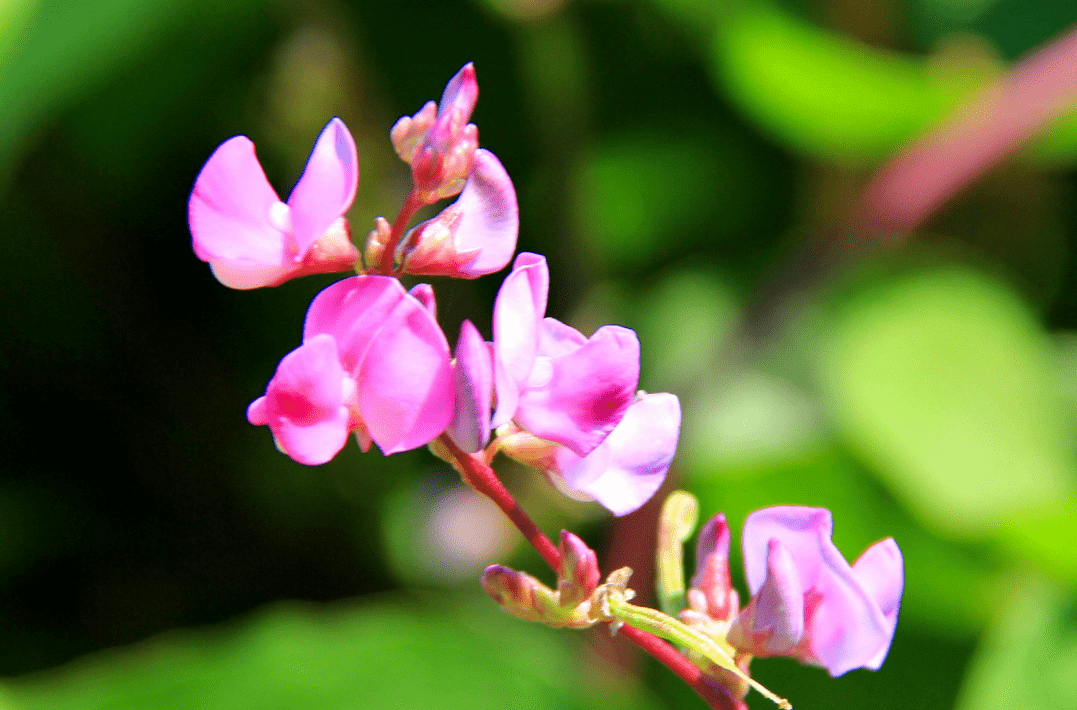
(526, 598)
(676, 523)
(577, 575)
(712, 592)
(376, 241)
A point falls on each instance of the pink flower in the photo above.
(625, 470)
(438, 142)
(474, 236)
(252, 239)
(373, 361)
(551, 380)
(807, 602)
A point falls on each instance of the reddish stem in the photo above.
(478, 474)
(407, 211)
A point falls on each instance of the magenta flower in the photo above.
(551, 380)
(438, 142)
(474, 236)
(807, 602)
(252, 239)
(625, 470)
(373, 362)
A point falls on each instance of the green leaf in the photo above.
(382, 655)
(944, 381)
(1029, 660)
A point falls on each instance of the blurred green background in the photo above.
(680, 162)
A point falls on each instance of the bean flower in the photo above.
(807, 601)
(252, 239)
(373, 361)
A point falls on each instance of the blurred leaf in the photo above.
(947, 588)
(14, 17)
(1046, 538)
(818, 91)
(1029, 660)
(944, 381)
(646, 194)
(377, 655)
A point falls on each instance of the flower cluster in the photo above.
(374, 362)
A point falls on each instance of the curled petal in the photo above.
(773, 622)
(474, 236)
(626, 469)
(473, 378)
(518, 311)
(881, 569)
(577, 399)
(230, 206)
(461, 93)
(712, 570)
(306, 403)
(327, 187)
(424, 293)
(845, 624)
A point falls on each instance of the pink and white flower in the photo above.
(252, 239)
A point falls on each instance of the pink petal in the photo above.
(473, 378)
(397, 354)
(518, 310)
(229, 209)
(577, 399)
(490, 218)
(712, 569)
(627, 469)
(405, 381)
(773, 622)
(845, 628)
(881, 570)
(557, 339)
(305, 405)
(424, 293)
(353, 311)
(327, 187)
(462, 92)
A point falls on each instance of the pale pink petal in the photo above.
(245, 275)
(577, 399)
(490, 218)
(773, 622)
(462, 92)
(557, 339)
(405, 381)
(518, 311)
(305, 405)
(845, 627)
(881, 570)
(327, 187)
(473, 378)
(229, 209)
(627, 469)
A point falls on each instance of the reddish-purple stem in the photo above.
(407, 211)
(989, 128)
(478, 474)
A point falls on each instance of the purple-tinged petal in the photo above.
(518, 311)
(712, 570)
(627, 469)
(306, 403)
(557, 339)
(473, 378)
(231, 208)
(461, 93)
(773, 622)
(577, 399)
(845, 626)
(881, 570)
(327, 187)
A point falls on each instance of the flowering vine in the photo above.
(374, 364)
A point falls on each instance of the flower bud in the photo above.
(577, 575)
